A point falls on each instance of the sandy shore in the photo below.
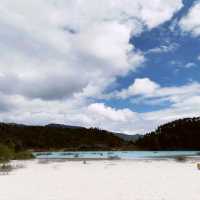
(102, 180)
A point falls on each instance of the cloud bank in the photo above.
(190, 23)
(56, 56)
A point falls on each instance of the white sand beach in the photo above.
(103, 180)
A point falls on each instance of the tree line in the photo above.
(182, 134)
(38, 138)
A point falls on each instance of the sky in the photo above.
(122, 65)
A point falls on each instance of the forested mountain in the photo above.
(126, 137)
(183, 134)
(63, 126)
(59, 137)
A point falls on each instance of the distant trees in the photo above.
(55, 138)
(182, 134)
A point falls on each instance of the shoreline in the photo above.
(187, 159)
(119, 155)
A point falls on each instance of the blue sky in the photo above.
(125, 66)
(175, 67)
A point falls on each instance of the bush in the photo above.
(180, 158)
(6, 153)
(23, 155)
(5, 168)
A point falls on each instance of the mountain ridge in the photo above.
(181, 134)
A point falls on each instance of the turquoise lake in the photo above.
(116, 154)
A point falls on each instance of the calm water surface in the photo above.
(116, 154)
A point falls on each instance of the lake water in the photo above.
(116, 154)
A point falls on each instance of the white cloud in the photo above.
(146, 89)
(56, 54)
(190, 65)
(118, 120)
(184, 102)
(109, 48)
(67, 38)
(141, 86)
(191, 23)
(164, 48)
(108, 113)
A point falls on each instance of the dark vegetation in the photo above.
(8, 152)
(44, 138)
(182, 134)
(17, 141)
